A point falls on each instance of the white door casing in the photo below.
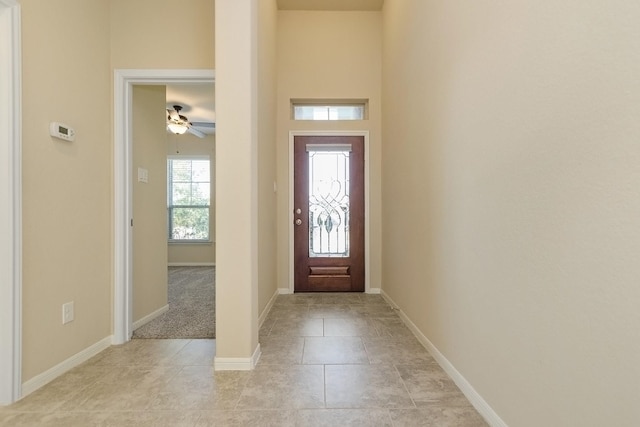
(10, 203)
(124, 79)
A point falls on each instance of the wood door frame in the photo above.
(365, 135)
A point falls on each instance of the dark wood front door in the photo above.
(328, 213)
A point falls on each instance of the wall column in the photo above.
(236, 185)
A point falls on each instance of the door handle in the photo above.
(298, 221)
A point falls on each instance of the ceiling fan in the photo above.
(179, 124)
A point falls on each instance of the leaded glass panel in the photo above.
(328, 203)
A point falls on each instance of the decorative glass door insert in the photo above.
(329, 202)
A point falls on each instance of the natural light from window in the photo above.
(329, 111)
(188, 199)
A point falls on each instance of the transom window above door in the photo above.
(329, 109)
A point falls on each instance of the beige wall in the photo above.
(162, 34)
(146, 34)
(186, 254)
(329, 55)
(511, 199)
(198, 253)
(66, 185)
(67, 194)
(149, 201)
(267, 111)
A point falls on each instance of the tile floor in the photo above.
(327, 360)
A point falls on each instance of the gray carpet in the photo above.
(191, 311)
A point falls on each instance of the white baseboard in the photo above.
(237, 363)
(267, 309)
(474, 397)
(46, 377)
(374, 290)
(191, 264)
(149, 317)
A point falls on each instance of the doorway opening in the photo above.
(173, 249)
(125, 80)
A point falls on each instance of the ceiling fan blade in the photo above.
(208, 125)
(196, 132)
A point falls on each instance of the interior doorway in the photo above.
(123, 180)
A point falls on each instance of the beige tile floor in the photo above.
(327, 360)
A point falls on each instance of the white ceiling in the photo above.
(330, 4)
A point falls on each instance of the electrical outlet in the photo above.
(67, 312)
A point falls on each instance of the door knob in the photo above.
(298, 221)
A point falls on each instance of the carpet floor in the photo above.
(191, 311)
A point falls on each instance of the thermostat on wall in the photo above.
(61, 131)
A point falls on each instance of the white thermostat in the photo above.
(61, 131)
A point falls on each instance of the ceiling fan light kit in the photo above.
(177, 128)
(179, 124)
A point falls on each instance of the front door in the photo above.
(328, 213)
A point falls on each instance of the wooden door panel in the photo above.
(330, 271)
(329, 213)
(336, 283)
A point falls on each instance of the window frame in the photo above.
(171, 206)
(330, 104)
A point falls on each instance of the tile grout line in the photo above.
(324, 376)
(404, 384)
(324, 371)
(304, 348)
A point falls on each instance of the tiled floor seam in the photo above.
(324, 384)
(395, 368)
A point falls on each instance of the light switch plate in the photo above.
(143, 175)
(67, 312)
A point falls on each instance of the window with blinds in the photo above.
(188, 198)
